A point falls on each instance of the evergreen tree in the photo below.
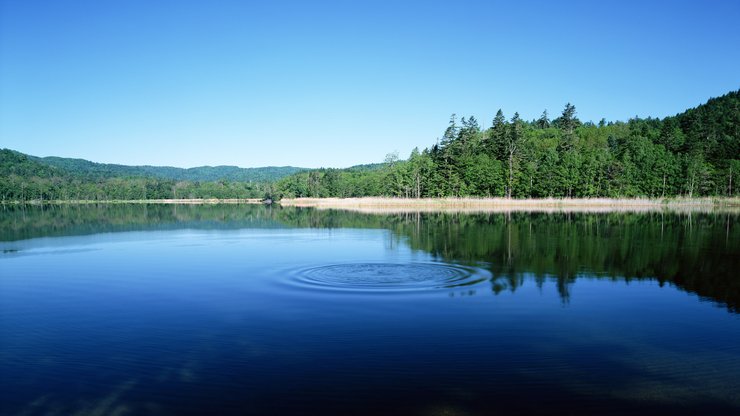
(567, 123)
(497, 137)
(543, 122)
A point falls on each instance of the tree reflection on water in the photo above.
(696, 252)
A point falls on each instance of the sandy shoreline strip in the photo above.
(146, 201)
(401, 205)
(388, 205)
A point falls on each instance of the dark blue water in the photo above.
(162, 310)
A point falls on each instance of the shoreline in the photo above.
(401, 205)
(480, 205)
(190, 201)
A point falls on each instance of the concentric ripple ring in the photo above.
(389, 276)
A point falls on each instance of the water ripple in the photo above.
(388, 276)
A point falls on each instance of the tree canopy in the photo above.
(695, 153)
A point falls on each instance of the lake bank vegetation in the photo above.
(468, 204)
(182, 201)
(386, 205)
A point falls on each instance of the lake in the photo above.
(234, 310)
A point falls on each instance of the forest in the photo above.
(695, 153)
(25, 178)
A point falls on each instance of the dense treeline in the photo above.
(25, 179)
(696, 153)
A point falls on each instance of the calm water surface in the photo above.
(231, 310)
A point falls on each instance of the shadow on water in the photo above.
(696, 252)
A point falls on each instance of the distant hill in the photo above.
(24, 166)
(30, 178)
(92, 170)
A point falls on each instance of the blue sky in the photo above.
(340, 83)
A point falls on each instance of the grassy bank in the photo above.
(390, 205)
(376, 204)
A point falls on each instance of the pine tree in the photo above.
(567, 123)
(543, 122)
(497, 139)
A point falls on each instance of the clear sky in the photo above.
(333, 84)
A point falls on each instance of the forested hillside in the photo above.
(695, 153)
(94, 170)
(24, 178)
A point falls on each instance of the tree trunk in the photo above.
(662, 195)
(730, 187)
(418, 185)
(511, 172)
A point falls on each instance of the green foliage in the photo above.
(24, 178)
(692, 154)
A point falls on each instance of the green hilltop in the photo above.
(198, 174)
